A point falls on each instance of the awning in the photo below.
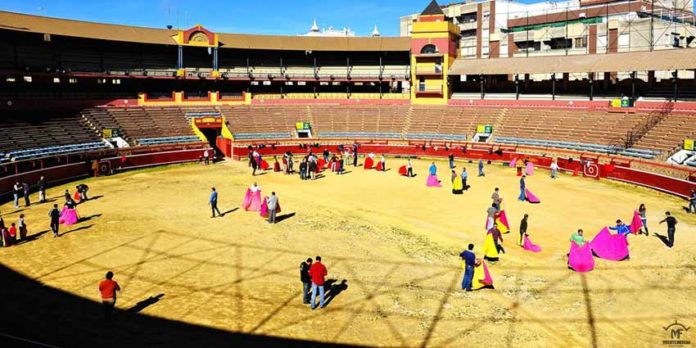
(662, 60)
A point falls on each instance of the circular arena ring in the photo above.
(390, 243)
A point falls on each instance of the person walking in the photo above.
(254, 165)
(496, 197)
(272, 203)
(671, 227)
(355, 155)
(306, 280)
(491, 211)
(554, 170)
(213, 203)
(42, 190)
(451, 160)
(318, 273)
(643, 218)
(692, 202)
(523, 185)
(523, 228)
(384, 163)
(469, 260)
(480, 168)
(497, 239)
(54, 214)
(25, 189)
(16, 191)
(108, 288)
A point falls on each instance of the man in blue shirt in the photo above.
(522, 187)
(480, 168)
(621, 228)
(469, 259)
(213, 203)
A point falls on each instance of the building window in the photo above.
(429, 49)
(581, 42)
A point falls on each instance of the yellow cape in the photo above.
(489, 250)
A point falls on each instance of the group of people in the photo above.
(313, 277)
(15, 233)
(268, 206)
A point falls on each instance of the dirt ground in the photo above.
(393, 240)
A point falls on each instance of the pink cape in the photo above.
(68, 216)
(530, 168)
(580, 258)
(531, 198)
(403, 171)
(487, 279)
(368, 163)
(252, 201)
(432, 181)
(636, 223)
(503, 219)
(379, 166)
(528, 245)
(610, 246)
(513, 163)
(264, 208)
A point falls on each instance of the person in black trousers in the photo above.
(306, 281)
(523, 228)
(213, 202)
(671, 227)
(42, 190)
(55, 219)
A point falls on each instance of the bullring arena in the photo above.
(613, 131)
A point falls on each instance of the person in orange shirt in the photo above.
(108, 288)
(13, 234)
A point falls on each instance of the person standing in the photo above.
(480, 168)
(692, 201)
(671, 227)
(355, 155)
(409, 168)
(318, 272)
(326, 155)
(16, 191)
(554, 170)
(496, 197)
(54, 214)
(213, 203)
(254, 165)
(22, 227)
(643, 218)
(523, 185)
(206, 156)
(621, 228)
(523, 228)
(578, 237)
(469, 260)
(25, 189)
(497, 238)
(108, 288)
(272, 203)
(306, 280)
(464, 175)
(303, 169)
(384, 163)
(12, 233)
(451, 160)
(491, 216)
(42, 190)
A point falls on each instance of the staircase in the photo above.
(654, 118)
(407, 122)
(498, 123)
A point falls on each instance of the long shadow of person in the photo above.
(662, 238)
(144, 303)
(334, 289)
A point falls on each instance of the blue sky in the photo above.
(289, 17)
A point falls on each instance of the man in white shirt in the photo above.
(554, 169)
(272, 202)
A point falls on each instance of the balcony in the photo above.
(429, 90)
(434, 71)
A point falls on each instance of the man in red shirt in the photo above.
(108, 288)
(318, 272)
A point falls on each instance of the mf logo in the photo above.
(677, 335)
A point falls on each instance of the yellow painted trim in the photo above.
(198, 131)
(226, 132)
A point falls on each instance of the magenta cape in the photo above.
(403, 171)
(368, 163)
(252, 201)
(580, 258)
(530, 168)
(636, 223)
(528, 245)
(531, 198)
(610, 246)
(513, 163)
(264, 207)
(486, 280)
(432, 181)
(68, 216)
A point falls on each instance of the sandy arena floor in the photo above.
(392, 239)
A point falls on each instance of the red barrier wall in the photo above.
(60, 174)
(585, 166)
